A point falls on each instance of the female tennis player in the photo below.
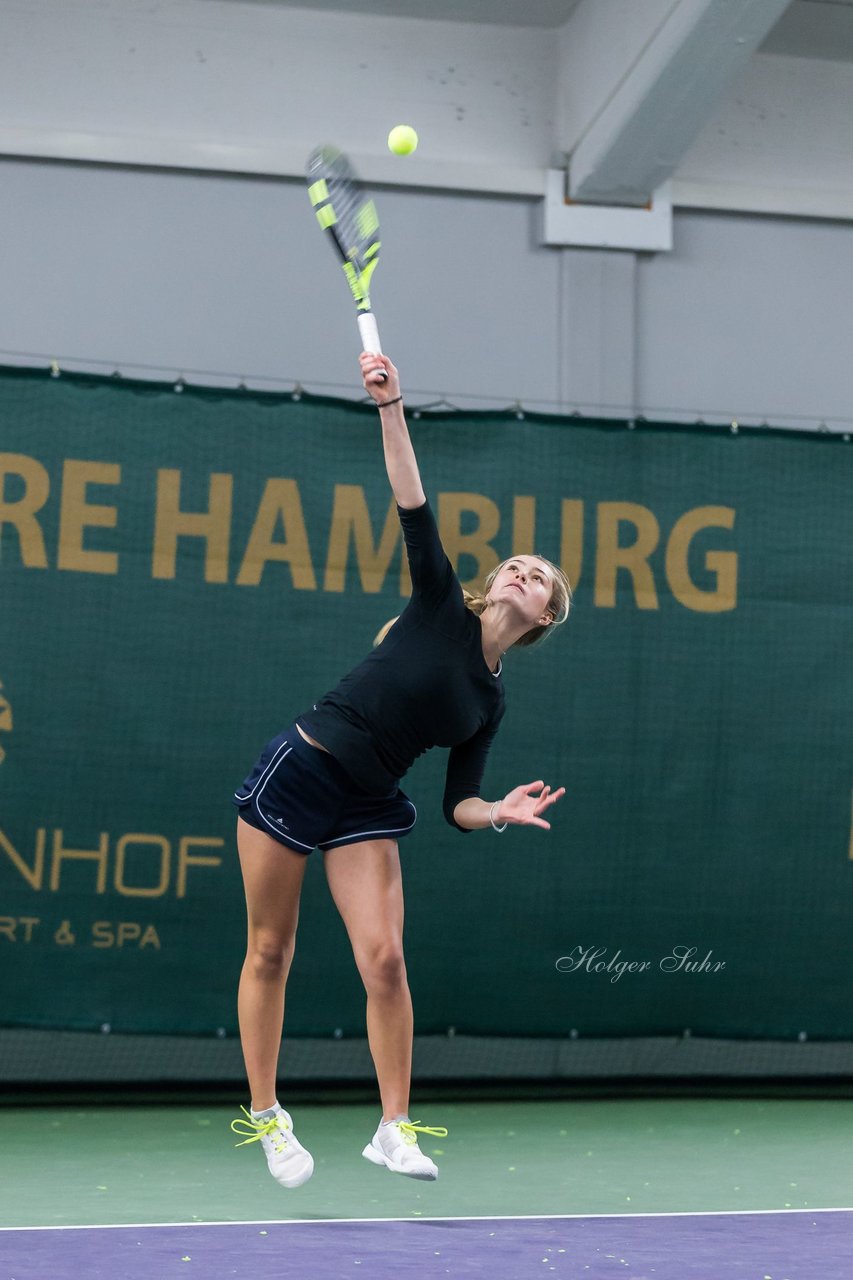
(331, 781)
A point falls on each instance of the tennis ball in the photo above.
(402, 140)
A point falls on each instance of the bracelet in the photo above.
(385, 403)
(495, 827)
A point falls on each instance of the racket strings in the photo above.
(345, 210)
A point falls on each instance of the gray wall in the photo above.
(165, 272)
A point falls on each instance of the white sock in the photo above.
(268, 1114)
(385, 1123)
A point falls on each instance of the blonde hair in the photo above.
(383, 631)
(477, 601)
(558, 606)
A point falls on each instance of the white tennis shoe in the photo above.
(289, 1162)
(395, 1145)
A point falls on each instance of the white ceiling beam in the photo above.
(780, 142)
(658, 99)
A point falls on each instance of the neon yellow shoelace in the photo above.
(258, 1129)
(410, 1130)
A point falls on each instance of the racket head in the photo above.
(347, 212)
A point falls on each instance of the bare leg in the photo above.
(272, 876)
(366, 884)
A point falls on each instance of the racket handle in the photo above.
(369, 333)
(370, 337)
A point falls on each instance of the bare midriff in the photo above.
(309, 739)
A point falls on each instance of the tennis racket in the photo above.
(347, 212)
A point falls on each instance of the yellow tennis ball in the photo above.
(402, 140)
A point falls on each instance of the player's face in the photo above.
(525, 583)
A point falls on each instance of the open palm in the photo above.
(522, 807)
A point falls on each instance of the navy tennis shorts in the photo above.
(305, 799)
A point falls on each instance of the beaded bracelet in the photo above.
(495, 827)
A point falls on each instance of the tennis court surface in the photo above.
(669, 1247)
(645, 1189)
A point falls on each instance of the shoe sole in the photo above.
(292, 1183)
(376, 1157)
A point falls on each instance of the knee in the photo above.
(269, 954)
(383, 967)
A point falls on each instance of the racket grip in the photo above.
(370, 336)
(369, 333)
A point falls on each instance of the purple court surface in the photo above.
(798, 1245)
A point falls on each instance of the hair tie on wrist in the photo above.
(385, 403)
(495, 827)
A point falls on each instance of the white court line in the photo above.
(498, 1217)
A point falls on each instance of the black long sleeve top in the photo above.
(426, 685)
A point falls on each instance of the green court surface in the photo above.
(134, 1164)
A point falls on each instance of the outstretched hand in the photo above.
(387, 388)
(521, 807)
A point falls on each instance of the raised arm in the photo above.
(400, 461)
